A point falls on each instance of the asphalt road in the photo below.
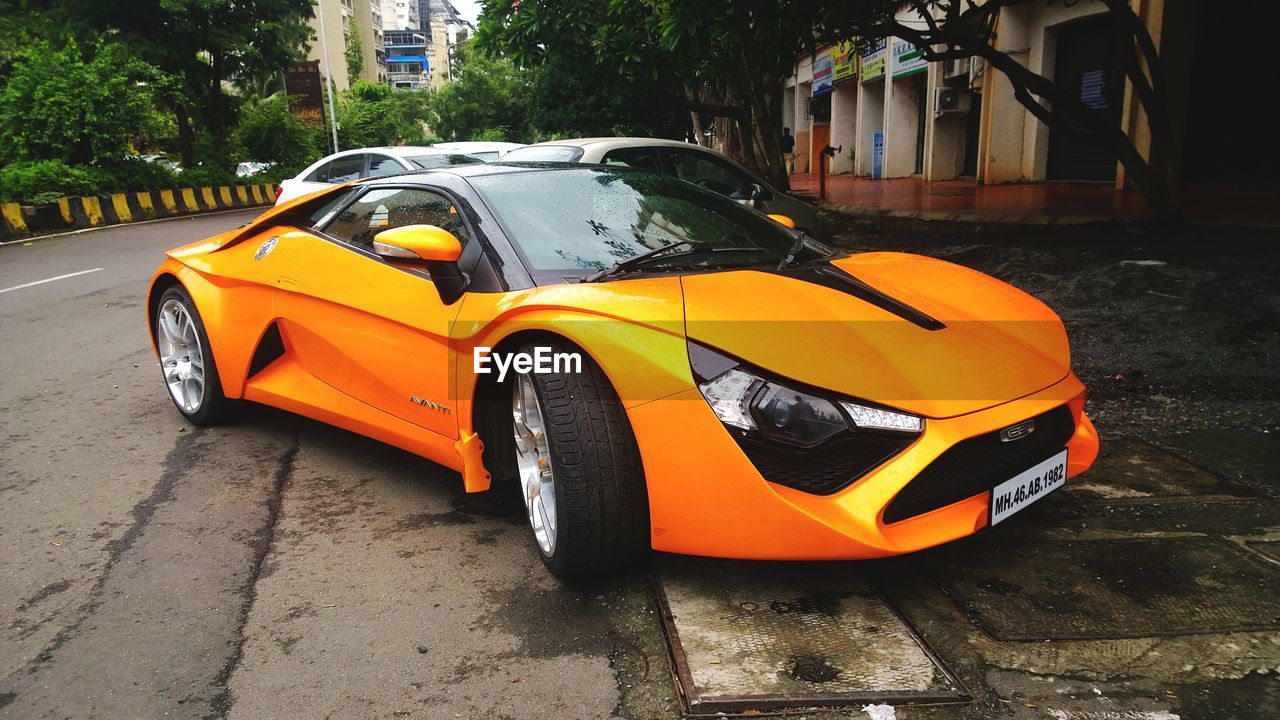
(273, 567)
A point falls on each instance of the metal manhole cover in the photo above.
(1092, 589)
(767, 636)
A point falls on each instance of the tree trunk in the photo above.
(219, 125)
(186, 143)
(696, 119)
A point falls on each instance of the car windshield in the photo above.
(429, 162)
(588, 219)
(544, 153)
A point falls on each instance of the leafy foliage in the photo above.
(372, 114)
(487, 97)
(47, 180)
(78, 105)
(354, 53)
(270, 133)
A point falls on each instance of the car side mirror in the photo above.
(435, 246)
(783, 220)
(752, 193)
(418, 242)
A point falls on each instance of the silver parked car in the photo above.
(686, 161)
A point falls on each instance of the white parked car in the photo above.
(487, 151)
(694, 163)
(368, 162)
(249, 167)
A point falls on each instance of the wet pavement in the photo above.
(276, 567)
(1030, 203)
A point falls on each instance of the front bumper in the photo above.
(706, 498)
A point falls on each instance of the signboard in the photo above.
(872, 62)
(907, 59)
(844, 60)
(303, 86)
(877, 156)
(822, 74)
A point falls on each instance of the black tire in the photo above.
(214, 406)
(601, 500)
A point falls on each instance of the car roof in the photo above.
(498, 167)
(468, 145)
(615, 142)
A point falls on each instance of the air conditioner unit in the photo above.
(950, 99)
(956, 68)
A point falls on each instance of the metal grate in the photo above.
(754, 637)
(825, 469)
(978, 464)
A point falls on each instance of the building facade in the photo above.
(445, 28)
(401, 15)
(334, 25)
(408, 65)
(892, 114)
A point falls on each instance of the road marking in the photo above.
(49, 280)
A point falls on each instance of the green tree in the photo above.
(199, 45)
(727, 58)
(77, 104)
(586, 99)
(486, 95)
(354, 53)
(372, 114)
(270, 133)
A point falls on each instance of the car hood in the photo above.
(861, 326)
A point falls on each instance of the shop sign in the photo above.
(844, 62)
(822, 68)
(907, 59)
(872, 62)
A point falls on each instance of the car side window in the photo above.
(380, 165)
(320, 174)
(640, 158)
(703, 169)
(345, 168)
(385, 208)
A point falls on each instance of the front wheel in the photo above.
(579, 470)
(187, 361)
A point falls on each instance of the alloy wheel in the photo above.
(537, 481)
(181, 356)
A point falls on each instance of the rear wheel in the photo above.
(190, 374)
(579, 471)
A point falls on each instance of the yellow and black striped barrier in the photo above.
(75, 213)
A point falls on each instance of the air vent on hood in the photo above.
(830, 276)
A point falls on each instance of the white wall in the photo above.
(844, 121)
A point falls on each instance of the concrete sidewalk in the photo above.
(1031, 203)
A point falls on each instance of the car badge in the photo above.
(265, 248)
(1017, 432)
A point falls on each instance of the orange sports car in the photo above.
(648, 363)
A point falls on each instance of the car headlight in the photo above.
(743, 399)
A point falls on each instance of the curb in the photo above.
(964, 217)
(94, 211)
(68, 233)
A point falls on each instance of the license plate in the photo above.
(1027, 487)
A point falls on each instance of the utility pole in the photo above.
(328, 80)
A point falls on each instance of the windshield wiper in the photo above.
(630, 263)
(791, 255)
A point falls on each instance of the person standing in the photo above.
(788, 145)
